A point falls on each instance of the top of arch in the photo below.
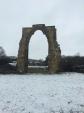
(39, 26)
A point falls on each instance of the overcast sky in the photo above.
(66, 15)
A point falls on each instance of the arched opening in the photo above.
(38, 49)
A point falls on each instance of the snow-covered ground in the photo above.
(42, 93)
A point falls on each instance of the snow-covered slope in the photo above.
(42, 93)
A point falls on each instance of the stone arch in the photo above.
(54, 54)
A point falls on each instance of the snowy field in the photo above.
(42, 93)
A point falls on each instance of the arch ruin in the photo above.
(54, 52)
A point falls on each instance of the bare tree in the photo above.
(2, 52)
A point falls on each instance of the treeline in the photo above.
(5, 66)
(4, 59)
(7, 59)
(72, 63)
(68, 63)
